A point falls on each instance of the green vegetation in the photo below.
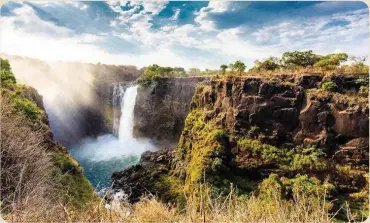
(302, 159)
(272, 63)
(7, 77)
(27, 107)
(202, 151)
(42, 178)
(238, 67)
(299, 59)
(77, 190)
(301, 185)
(329, 86)
(307, 61)
(154, 72)
(223, 68)
(331, 61)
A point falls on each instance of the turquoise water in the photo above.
(102, 156)
(99, 172)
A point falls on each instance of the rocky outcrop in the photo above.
(136, 180)
(240, 130)
(161, 108)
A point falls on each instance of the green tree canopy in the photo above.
(299, 58)
(331, 61)
(223, 68)
(238, 66)
(270, 63)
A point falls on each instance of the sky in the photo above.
(186, 34)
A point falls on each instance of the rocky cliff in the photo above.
(161, 108)
(240, 130)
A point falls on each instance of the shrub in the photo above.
(309, 159)
(363, 81)
(220, 135)
(5, 65)
(253, 131)
(271, 188)
(272, 63)
(7, 78)
(331, 61)
(364, 90)
(27, 107)
(329, 86)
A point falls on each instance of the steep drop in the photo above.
(105, 154)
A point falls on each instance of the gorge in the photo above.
(102, 156)
(173, 136)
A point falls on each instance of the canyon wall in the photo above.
(241, 130)
(161, 108)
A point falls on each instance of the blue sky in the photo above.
(188, 34)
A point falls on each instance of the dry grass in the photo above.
(25, 166)
(202, 207)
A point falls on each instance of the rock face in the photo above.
(162, 107)
(242, 129)
(136, 179)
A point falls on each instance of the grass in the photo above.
(200, 154)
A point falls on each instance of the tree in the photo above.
(299, 58)
(7, 77)
(331, 61)
(223, 68)
(270, 63)
(239, 67)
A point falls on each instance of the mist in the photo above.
(107, 147)
(66, 88)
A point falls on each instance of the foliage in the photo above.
(271, 187)
(27, 107)
(206, 145)
(331, 61)
(223, 68)
(253, 131)
(303, 159)
(7, 77)
(77, 189)
(271, 63)
(363, 81)
(155, 72)
(309, 158)
(329, 86)
(238, 67)
(5, 65)
(364, 90)
(299, 59)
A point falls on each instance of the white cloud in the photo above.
(19, 41)
(76, 4)
(320, 34)
(163, 46)
(203, 16)
(175, 15)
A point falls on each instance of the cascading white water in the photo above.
(126, 123)
(102, 156)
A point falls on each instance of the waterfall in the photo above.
(126, 123)
(117, 94)
(108, 153)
